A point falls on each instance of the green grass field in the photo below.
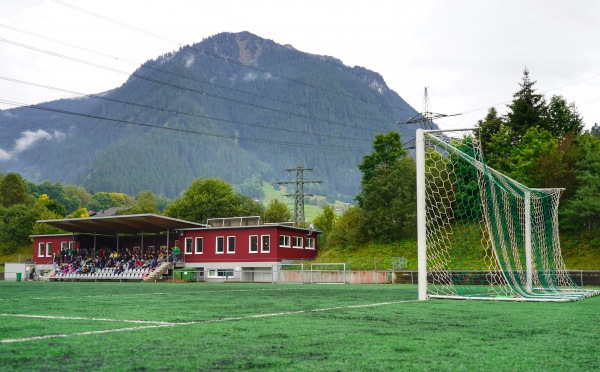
(209, 326)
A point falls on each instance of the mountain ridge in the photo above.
(245, 108)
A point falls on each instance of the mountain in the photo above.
(234, 106)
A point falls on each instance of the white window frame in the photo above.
(220, 273)
(286, 239)
(63, 245)
(201, 245)
(49, 249)
(250, 244)
(230, 250)
(222, 238)
(296, 240)
(310, 243)
(185, 245)
(72, 245)
(262, 244)
(41, 249)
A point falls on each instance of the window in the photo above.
(72, 244)
(63, 246)
(220, 273)
(231, 244)
(297, 242)
(41, 249)
(253, 243)
(188, 245)
(310, 243)
(284, 241)
(266, 244)
(220, 244)
(199, 248)
(48, 249)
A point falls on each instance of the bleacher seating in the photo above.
(106, 274)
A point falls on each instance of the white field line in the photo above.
(159, 293)
(170, 324)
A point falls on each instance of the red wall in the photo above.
(242, 245)
(56, 241)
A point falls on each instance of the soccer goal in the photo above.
(481, 234)
(331, 273)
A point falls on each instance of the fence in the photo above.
(580, 277)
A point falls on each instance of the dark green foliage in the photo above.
(212, 198)
(388, 195)
(13, 190)
(145, 203)
(16, 224)
(277, 211)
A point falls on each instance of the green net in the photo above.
(488, 236)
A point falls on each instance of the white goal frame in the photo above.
(556, 286)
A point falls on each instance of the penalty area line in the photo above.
(65, 335)
(167, 324)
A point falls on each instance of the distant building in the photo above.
(223, 247)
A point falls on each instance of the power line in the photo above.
(234, 137)
(203, 93)
(223, 58)
(147, 65)
(176, 112)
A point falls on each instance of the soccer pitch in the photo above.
(219, 326)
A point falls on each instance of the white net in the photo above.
(487, 236)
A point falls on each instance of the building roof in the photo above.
(128, 224)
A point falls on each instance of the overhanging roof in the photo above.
(128, 224)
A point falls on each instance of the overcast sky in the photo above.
(469, 53)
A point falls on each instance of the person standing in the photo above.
(176, 252)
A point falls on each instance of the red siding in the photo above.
(55, 241)
(242, 245)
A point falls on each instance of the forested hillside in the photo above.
(234, 106)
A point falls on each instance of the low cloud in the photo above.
(28, 140)
(189, 61)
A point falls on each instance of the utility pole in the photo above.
(299, 194)
(425, 119)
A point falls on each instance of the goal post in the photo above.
(481, 234)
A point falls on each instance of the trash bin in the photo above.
(177, 274)
(189, 276)
(19, 277)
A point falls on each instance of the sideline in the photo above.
(157, 324)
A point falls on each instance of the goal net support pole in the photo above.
(421, 215)
(482, 235)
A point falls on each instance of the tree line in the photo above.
(23, 203)
(539, 142)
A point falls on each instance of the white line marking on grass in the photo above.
(298, 312)
(159, 293)
(84, 318)
(170, 324)
(64, 335)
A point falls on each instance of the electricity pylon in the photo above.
(299, 194)
(425, 119)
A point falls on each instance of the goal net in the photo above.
(483, 235)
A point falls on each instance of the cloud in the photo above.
(4, 155)
(29, 139)
(189, 61)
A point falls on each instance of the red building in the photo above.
(241, 248)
